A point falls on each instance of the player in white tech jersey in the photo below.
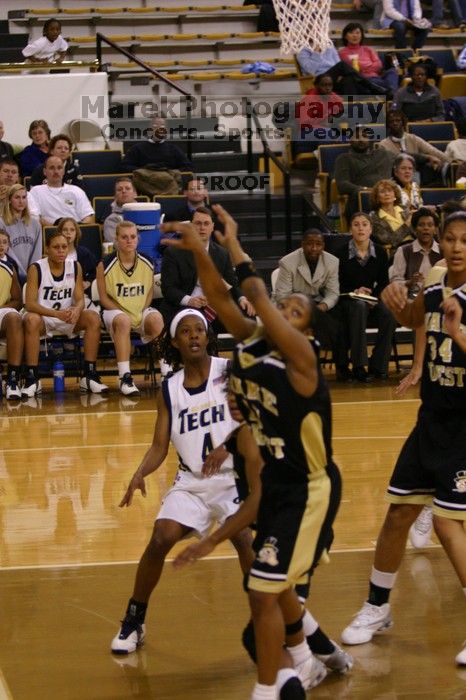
(192, 412)
(55, 304)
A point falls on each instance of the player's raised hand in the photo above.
(230, 227)
(137, 482)
(189, 237)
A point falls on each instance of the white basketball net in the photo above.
(303, 24)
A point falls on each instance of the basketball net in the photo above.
(303, 24)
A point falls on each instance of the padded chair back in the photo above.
(98, 162)
(364, 199)
(438, 195)
(101, 185)
(433, 131)
(328, 155)
(170, 203)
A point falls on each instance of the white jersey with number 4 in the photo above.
(56, 293)
(199, 418)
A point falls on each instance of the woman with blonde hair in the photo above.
(390, 221)
(24, 230)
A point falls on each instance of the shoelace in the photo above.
(367, 614)
(127, 379)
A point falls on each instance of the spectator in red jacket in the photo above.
(366, 60)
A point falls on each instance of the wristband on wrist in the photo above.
(244, 270)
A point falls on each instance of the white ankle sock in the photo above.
(310, 624)
(123, 368)
(264, 692)
(284, 675)
(299, 653)
(383, 579)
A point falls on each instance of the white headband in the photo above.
(179, 317)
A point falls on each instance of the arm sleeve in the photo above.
(390, 11)
(398, 270)
(32, 48)
(284, 284)
(439, 110)
(36, 252)
(33, 205)
(343, 176)
(83, 206)
(332, 287)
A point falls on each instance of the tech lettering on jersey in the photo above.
(195, 417)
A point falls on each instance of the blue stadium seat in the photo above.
(433, 131)
(98, 162)
(438, 195)
(101, 185)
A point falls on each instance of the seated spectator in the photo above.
(312, 271)
(54, 200)
(346, 80)
(413, 261)
(361, 168)
(456, 13)
(317, 110)
(419, 101)
(9, 176)
(125, 280)
(196, 195)
(36, 154)
(124, 194)
(180, 286)
(70, 229)
(55, 304)
(405, 16)
(60, 146)
(456, 150)
(156, 154)
(50, 48)
(390, 222)
(428, 160)
(10, 320)
(24, 230)
(6, 149)
(364, 271)
(366, 60)
(404, 176)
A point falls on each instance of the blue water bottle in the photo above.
(58, 377)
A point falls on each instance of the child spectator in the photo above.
(55, 304)
(36, 153)
(317, 110)
(10, 320)
(24, 230)
(50, 48)
(70, 229)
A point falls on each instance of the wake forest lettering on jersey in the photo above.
(445, 363)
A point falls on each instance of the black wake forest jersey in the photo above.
(293, 432)
(443, 385)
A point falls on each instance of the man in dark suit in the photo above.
(196, 196)
(179, 280)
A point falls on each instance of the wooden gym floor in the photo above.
(68, 556)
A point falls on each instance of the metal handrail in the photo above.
(101, 38)
(269, 155)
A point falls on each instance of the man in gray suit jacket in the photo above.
(314, 272)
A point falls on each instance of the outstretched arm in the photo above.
(154, 455)
(292, 343)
